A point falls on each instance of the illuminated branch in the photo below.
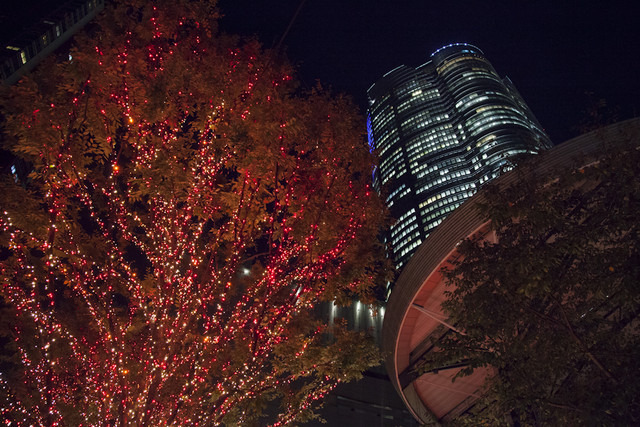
(153, 190)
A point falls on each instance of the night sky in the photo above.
(555, 51)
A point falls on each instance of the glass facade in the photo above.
(441, 131)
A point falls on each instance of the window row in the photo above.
(399, 240)
(409, 247)
(451, 195)
(395, 192)
(500, 120)
(439, 213)
(398, 196)
(422, 120)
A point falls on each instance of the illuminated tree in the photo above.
(185, 213)
(553, 305)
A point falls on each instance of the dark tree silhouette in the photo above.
(553, 306)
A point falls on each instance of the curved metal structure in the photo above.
(414, 320)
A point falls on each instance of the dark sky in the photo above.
(555, 51)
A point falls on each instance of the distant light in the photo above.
(457, 44)
(246, 271)
(398, 67)
(372, 145)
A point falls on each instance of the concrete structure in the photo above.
(414, 320)
(371, 400)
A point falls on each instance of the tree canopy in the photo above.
(552, 303)
(187, 209)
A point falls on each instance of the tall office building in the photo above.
(442, 130)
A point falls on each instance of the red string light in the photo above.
(138, 312)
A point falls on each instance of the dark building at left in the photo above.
(24, 50)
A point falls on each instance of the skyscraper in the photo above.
(442, 130)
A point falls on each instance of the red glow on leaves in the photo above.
(141, 288)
